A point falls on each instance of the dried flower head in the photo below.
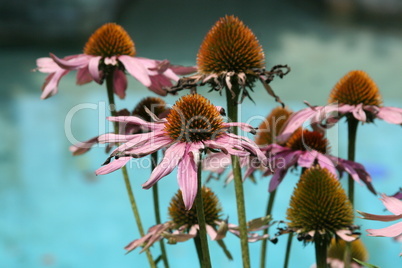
(193, 118)
(231, 58)
(110, 40)
(180, 216)
(270, 128)
(306, 140)
(356, 87)
(319, 206)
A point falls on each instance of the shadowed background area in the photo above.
(54, 212)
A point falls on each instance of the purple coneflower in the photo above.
(110, 50)
(355, 95)
(193, 125)
(183, 224)
(154, 104)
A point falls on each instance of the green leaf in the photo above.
(366, 264)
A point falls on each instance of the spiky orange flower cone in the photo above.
(270, 128)
(356, 87)
(110, 40)
(230, 46)
(305, 140)
(180, 216)
(319, 205)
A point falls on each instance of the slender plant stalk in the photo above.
(202, 233)
(155, 194)
(197, 243)
(320, 252)
(110, 94)
(264, 244)
(352, 132)
(232, 107)
(288, 247)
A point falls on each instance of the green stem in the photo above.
(320, 251)
(197, 243)
(352, 133)
(288, 247)
(155, 193)
(232, 107)
(202, 233)
(110, 94)
(264, 244)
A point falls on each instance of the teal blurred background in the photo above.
(54, 212)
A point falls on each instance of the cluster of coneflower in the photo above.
(193, 136)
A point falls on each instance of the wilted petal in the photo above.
(183, 70)
(51, 83)
(83, 76)
(374, 217)
(83, 147)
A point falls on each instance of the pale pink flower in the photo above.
(110, 49)
(393, 205)
(192, 126)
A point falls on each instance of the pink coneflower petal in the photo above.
(359, 114)
(374, 217)
(243, 126)
(150, 146)
(158, 83)
(173, 156)
(249, 145)
(120, 83)
(73, 62)
(182, 70)
(93, 67)
(51, 83)
(83, 147)
(47, 65)
(136, 69)
(346, 235)
(327, 163)
(390, 231)
(187, 175)
(83, 76)
(391, 115)
(307, 159)
(112, 166)
(222, 144)
(393, 204)
(137, 121)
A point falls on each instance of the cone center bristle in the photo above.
(193, 119)
(305, 140)
(355, 88)
(229, 46)
(180, 216)
(110, 40)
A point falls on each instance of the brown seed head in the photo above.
(272, 126)
(319, 203)
(304, 140)
(354, 88)
(229, 46)
(154, 104)
(192, 119)
(110, 40)
(180, 216)
(337, 248)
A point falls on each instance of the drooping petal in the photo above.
(183, 70)
(374, 217)
(295, 121)
(327, 162)
(346, 235)
(243, 126)
(187, 174)
(148, 147)
(50, 87)
(72, 62)
(136, 69)
(173, 156)
(93, 68)
(83, 76)
(47, 65)
(357, 171)
(159, 83)
(393, 204)
(120, 83)
(112, 166)
(390, 231)
(83, 147)
(391, 115)
(307, 158)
